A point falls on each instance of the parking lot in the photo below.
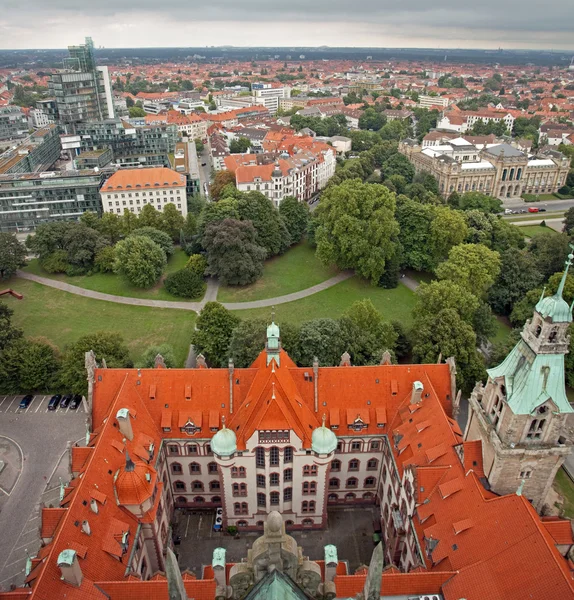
(33, 445)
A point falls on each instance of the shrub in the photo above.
(56, 262)
(162, 239)
(232, 530)
(140, 260)
(197, 264)
(75, 270)
(104, 261)
(543, 224)
(185, 283)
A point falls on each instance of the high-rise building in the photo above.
(269, 94)
(13, 122)
(37, 152)
(82, 90)
(521, 413)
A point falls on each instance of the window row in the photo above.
(196, 486)
(197, 500)
(355, 464)
(352, 482)
(359, 446)
(274, 456)
(191, 449)
(350, 497)
(194, 468)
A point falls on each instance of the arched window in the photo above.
(352, 482)
(288, 475)
(372, 464)
(370, 482)
(334, 483)
(181, 500)
(179, 486)
(274, 479)
(309, 488)
(538, 331)
(307, 522)
(259, 457)
(310, 470)
(288, 454)
(335, 465)
(511, 174)
(349, 497)
(216, 499)
(504, 174)
(368, 496)
(259, 524)
(274, 456)
(288, 523)
(199, 499)
(332, 498)
(241, 523)
(214, 486)
(239, 489)
(195, 468)
(192, 449)
(260, 481)
(308, 506)
(197, 486)
(553, 334)
(519, 174)
(261, 500)
(287, 494)
(354, 464)
(176, 468)
(274, 498)
(237, 471)
(212, 468)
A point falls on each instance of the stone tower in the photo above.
(521, 413)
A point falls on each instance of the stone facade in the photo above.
(496, 169)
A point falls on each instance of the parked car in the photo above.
(65, 402)
(507, 211)
(203, 164)
(533, 209)
(541, 210)
(76, 401)
(26, 401)
(54, 402)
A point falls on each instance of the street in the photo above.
(549, 205)
(204, 158)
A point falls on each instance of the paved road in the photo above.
(204, 171)
(211, 294)
(549, 205)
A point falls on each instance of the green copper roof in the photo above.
(276, 586)
(555, 307)
(224, 442)
(323, 440)
(531, 379)
(66, 557)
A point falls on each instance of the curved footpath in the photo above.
(210, 294)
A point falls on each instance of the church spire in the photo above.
(567, 264)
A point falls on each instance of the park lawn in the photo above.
(502, 330)
(295, 270)
(63, 318)
(539, 197)
(394, 305)
(564, 486)
(534, 230)
(109, 283)
(535, 217)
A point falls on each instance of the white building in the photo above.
(270, 94)
(431, 102)
(39, 118)
(132, 189)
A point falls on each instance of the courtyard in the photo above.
(349, 529)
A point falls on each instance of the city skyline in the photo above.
(507, 24)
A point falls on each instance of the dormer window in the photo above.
(190, 428)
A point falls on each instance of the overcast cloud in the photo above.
(380, 23)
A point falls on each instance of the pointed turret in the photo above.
(273, 346)
(555, 307)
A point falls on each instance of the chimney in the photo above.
(70, 567)
(218, 564)
(230, 367)
(94, 506)
(417, 392)
(315, 382)
(124, 421)
(331, 562)
(86, 528)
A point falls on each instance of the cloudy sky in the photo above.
(377, 23)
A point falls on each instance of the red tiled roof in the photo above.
(128, 179)
(559, 529)
(51, 518)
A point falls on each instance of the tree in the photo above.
(49, 237)
(321, 338)
(233, 255)
(393, 130)
(82, 244)
(29, 365)
(136, 112)
(104, 259)
(172, 221)
(110, 226)
(439, 295)
(162, 239)
(247, 341)
(365, 334)
(447, 334)
(185, 283)
(523, 309)
(550, 251)
(166, 351)
(371, 119)
(271, 231)
(212, 334)
(397, 164)
(220, 181)
(448, 229)
(12, 255)
(296, 217)
(356, 227)
(140, 260)
(149, 217)
(472, 266)
(415, 220)
(215, 212)
(197, 263)
(106, 345)
(518, 273)
(568, 221)
(476, 201)
(8, 333)
(129, 221)
(492, 231)
(198, 145)
(239, 145)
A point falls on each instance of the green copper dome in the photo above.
(323, 440)
(224, 442)
(555, 307)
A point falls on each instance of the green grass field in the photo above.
(539, 197)
(63, 318)
(295, 270)
(534, 230)
(565, 488)
(502, 330)
(396, 304)
(108, 283)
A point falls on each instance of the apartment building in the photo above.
(464, 120)
(431, 102)
(30, 199)
(132, 189)
(38, 152)
(269, 94)
(13, 122)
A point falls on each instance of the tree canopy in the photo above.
(140, 260)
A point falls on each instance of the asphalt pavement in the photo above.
(549, 205)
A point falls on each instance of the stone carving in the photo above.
(240, 579)
(159, 362)
(309, 577)
(386, 358)
(345, 360)
(200, 361)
